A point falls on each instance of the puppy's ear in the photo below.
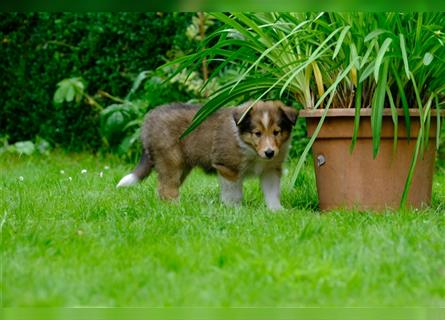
(290, 113)
(239, 112)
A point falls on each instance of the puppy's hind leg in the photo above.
(138, 174)
(171, 173)
(169, 182)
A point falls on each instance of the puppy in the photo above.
(236, 148)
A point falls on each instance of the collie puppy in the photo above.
(235, 148)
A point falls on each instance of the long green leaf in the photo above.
(377, 109)
(395, 118)
(358, 105)
(438, 118)
(249, 22)
(368, 53)
(427, 124)
(316, 54)
(416, 154)
(267, 51)
(224, 96)
(374, 34)
(331, 91)
(380, 56)
(340, 41)
(404, 54)
(311, 142)
(417, 95)
(238, 27)
(404, 102)
(411, 169)
(367, 72)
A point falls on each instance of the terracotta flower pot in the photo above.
(357, 180)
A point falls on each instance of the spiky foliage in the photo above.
(324, 60)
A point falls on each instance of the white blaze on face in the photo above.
(268, 141)
(265, 119)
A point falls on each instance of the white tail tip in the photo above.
(128, 180)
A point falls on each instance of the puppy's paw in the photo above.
(275, 207)
(128, 180)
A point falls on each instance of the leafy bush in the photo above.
(40, 146)
(120, 122)
(108, 50)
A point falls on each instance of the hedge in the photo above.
(107, 50)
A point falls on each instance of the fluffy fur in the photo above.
(233, 145)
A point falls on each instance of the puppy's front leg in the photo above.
(270, 183)
(231, 191)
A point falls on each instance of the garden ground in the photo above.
(72, 239)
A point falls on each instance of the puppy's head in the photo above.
(266, 127)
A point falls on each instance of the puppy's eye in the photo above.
(276, 132)
(257, 133)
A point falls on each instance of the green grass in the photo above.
(85, 243)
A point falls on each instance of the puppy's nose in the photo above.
(269, 153)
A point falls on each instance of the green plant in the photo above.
(331, 60)
(107, 49)
(40, 146)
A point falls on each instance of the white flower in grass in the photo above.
(70, 179)
(21, 178)
(83, 171)
(62, 171)
(101, 174)
(107, 168)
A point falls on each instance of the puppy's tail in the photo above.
(142, 171)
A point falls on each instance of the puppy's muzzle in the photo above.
(269, 153)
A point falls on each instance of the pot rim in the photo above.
(364, 112)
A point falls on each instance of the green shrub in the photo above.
(108, 50)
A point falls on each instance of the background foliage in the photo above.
(108, 50)
(100, 68)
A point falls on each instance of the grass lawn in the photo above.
(73, 239)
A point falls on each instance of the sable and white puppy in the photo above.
(256, 146)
